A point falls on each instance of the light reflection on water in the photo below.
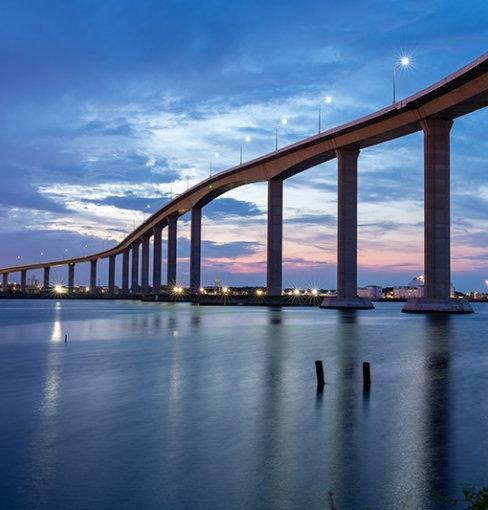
(178, 406)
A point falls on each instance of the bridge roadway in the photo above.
(431, 110)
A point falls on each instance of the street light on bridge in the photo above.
(326, 100)
(247, 139)
(284, 122)
(215, 155)
(404, 62)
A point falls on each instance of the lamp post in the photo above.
(404, 62)
(247, 139)
(284, 122)
(326, 100)
(215, 155)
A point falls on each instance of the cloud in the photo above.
(222, 208)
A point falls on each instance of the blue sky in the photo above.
(110, 108)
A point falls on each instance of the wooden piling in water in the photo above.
(319, 370)
(366, 376)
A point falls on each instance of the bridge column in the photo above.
(172, 247)
(93, 276)
(145, 265)
(125, 272)
(46, 279)
(111, 275)
(437, 224)
(157, 260)
(195, 249)
(274, 267)
(134, 288)
(23, 280)
(71, 278)
(347, 228)
(5, 282)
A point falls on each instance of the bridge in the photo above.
(432, 111)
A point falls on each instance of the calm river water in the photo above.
(174, 406)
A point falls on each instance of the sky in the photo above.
(108, 109)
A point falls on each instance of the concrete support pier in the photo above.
(111, 275)
(145, 266)
(347, 228)
(93, 276)
(5, 282)
(134, 287)
(275, 238)
(437, 224)
(46, 279)
(195, 249)
(157, 261)
(23, 280)
(125, 272)
(172, 247)
(71, 278)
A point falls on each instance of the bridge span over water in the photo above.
(432, 110)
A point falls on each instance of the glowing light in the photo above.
(315, 292)
(296, 292)
(328, 99)
(225, 290)
(178, 290)
(216, 155)
(284, 121)
(87, 289)
(259, 292)
(405, 61)
(202, 290)
(59, 289)
(486, 283)
(247, 139)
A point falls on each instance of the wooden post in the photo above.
(366, 376)
(319, 370)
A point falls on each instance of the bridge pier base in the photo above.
(111, 275)
(195, 250)
(274, 261)
(93, 276)
(157, 261)
(71, 278)
(125, 272)
(437, 224)
(347, 227)
(134, 287)
(172, 247)
(4, 282)
(145, 266)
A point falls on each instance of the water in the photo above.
(173, 406)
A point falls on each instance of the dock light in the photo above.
(87, 289)
(58, 289)
(315, 292)
(178, 290)
(259, 292)
(296, 292)
(202, 290)
(225, 290)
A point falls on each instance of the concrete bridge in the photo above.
(432, 111)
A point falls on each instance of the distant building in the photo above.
(371, 292)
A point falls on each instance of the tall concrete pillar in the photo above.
(111, 275)
(145, 266)
(172, 250)
(157, 260)
(134, 288)
(347, 233)
(437, 224)
(125, 272)
(274, 268)
(23, 280)
(71, 278)
(93, 276)
(195, 249)
(5, 282)
(46, 279)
